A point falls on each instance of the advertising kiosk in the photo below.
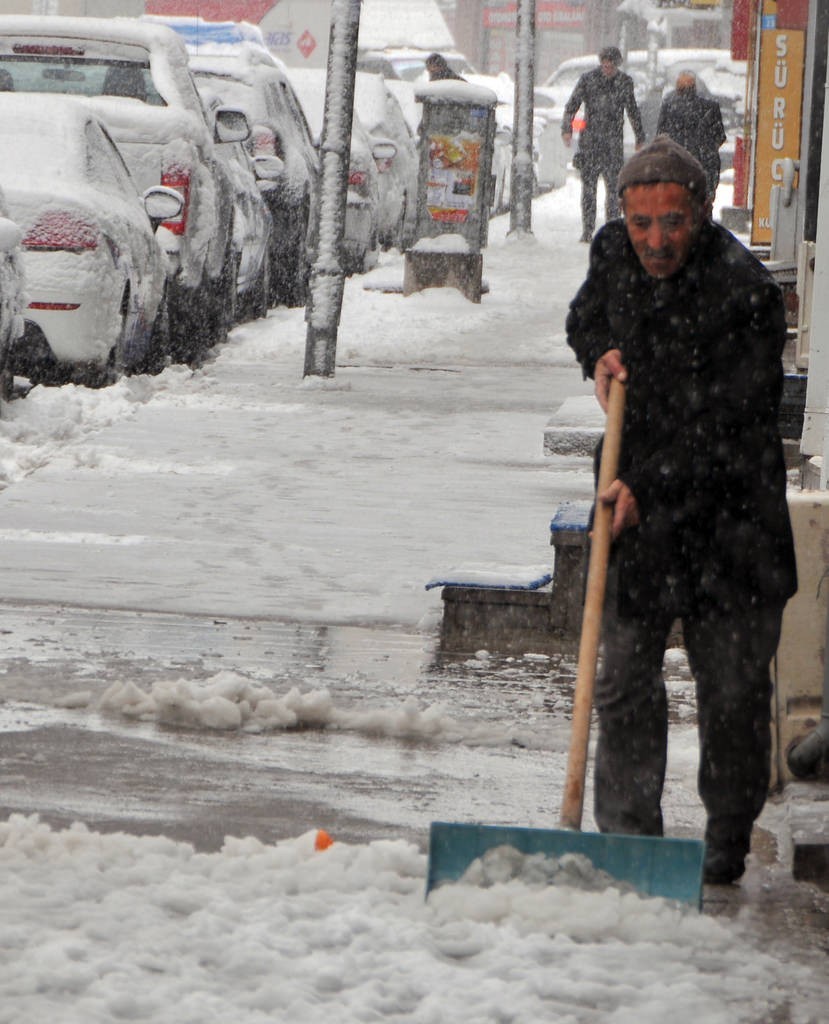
(454, 188)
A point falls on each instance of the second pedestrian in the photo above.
(606, 93)
(695, 122)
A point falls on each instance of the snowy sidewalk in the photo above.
(242, 490)
(161, 510)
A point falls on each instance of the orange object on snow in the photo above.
(323, 840)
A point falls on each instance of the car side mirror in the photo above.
(384, 151)
(231, 125)
(268, 168)
(162, 203)
(10, 235)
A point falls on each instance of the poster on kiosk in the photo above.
(457, 136)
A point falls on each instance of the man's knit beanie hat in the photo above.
(663, 160)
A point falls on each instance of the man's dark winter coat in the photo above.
(605, 101)
(695, 123)
(701, 449)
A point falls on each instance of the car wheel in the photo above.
(257, 302)
(199, 317)
(400, 239)
(185, 324)
(158, 346)
(297, 290)
(369, 261)
(223, 302)
(102, 376)
(274, 272)
(230, 283)
(6, 383)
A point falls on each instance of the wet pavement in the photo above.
(500, 760)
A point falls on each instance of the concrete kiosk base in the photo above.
(459, 270)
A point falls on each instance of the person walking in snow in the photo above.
(439, 70)
(695, 122)
(693, 324)
(606, 93)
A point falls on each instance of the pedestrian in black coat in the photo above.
(606, 93)
(695, 122)
(693, 323)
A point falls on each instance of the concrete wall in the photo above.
(801, 654)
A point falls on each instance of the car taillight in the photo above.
(60, 230)
(267, 143)
(357, 178)
(179, 179)
(55, 307)
(579, 124)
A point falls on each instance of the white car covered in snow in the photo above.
(362, 211)
(135, 76)
(12, 298)
(95, 275)
(396, 154)
(251, 79)
(252, 226)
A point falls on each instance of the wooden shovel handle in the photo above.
(572, 803)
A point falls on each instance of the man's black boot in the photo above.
(722, 866)
(727, 842)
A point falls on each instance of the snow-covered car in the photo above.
(12, 295)
(252, 225)
(250, 78)
(362, 211)
(396, 155)
(504, 88)
(135, 76)
(95, 274)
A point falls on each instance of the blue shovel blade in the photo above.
(671, 868)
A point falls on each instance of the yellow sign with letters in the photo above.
(779, 108)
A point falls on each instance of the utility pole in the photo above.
(522, 177)
(327, 281)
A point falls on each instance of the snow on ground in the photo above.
(105, 928)
(111, 928)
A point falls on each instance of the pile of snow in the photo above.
(114, 927)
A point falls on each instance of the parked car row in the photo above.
(158, 195)
(97, 111)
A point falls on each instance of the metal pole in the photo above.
(327, 280)
(522, 179)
